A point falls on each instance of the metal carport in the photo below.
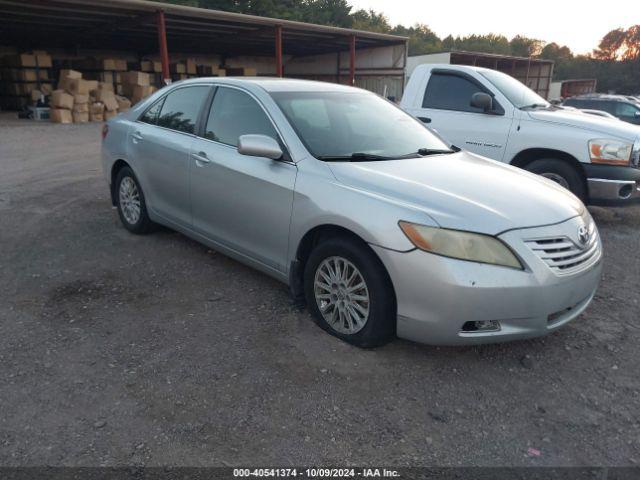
(150, 28)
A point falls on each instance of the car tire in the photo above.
(131, 204)
(562, 173)
(343, 302)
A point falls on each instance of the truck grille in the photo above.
(563, 255)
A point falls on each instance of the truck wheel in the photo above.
(349, 292)
(561, 172)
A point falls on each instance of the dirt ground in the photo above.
(118, 349)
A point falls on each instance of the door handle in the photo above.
(424, 119)
(201, 158)
(137, 137)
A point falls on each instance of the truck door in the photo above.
(446, 107)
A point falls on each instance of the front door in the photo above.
(446, 108)
(240, 201)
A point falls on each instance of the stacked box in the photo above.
(241, 72)
(211, 71)
(151, 66)
(25, 77)
(136, 86)
(80, 110)
(96, 112)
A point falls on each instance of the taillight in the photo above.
(105, 131)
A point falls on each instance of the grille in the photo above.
(563, 255)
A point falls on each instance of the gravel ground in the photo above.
(118, 349)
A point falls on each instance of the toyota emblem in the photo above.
(583, 235)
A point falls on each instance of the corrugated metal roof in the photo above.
(130, 25)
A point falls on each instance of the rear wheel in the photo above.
(132, 207)
(561, 172)
(349, 292)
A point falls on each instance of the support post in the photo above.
(279, 71)
(162, 42)
(352, 60)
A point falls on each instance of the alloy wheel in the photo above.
(342, 295)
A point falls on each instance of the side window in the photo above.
(181, 108)
(626, 109)
(151, 115)
(450, 92)
(234, 113)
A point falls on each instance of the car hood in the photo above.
(464, 191)
(585, 121)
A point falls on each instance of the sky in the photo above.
(576, 24)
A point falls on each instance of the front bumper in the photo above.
(436, 296)
(612, 185)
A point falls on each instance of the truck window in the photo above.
(450, 92)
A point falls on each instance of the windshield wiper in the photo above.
(354, 157)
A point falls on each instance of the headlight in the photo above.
(474, 247)
(612, 152)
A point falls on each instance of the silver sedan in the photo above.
(380, 226)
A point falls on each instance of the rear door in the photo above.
(446, 107)
(240, 201)
(160, 144)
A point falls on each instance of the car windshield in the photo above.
(516, 92)
(355, 126)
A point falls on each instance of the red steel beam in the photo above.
(164, 52)
(279, 71)
(352, 60)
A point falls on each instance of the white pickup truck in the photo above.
(492, 114)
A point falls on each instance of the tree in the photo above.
(525, 47)
(553, 51)
(371, 21)
(610, 45)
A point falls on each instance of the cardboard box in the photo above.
(80, 117)
(96, 108)
(150, 66)
(107, 98)
(124, 103)
(136, 78)
(191, 66)
(210, 71)
(70, 74)
(115, 64)
(241, 72)
(96, 117)
(78, 86)
(110, 114)
(36, 95)
(105, 86)
(46, 88)
(81, 108)
(22, 60)
(93, 85)
(80, 98)
(61, 115)
(140, 92)
(43, 60)
(61, 100)
(178, 68)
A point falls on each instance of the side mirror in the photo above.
(482, 100)
(259, 146)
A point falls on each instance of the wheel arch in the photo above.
(115, 169)
(525, 157)
(304, 248)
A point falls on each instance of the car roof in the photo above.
(275, 84)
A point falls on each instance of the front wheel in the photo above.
(561, 172)
(349, 292)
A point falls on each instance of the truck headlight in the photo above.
(474, 247)
(611, 152)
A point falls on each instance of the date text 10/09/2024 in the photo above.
(316, 472)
